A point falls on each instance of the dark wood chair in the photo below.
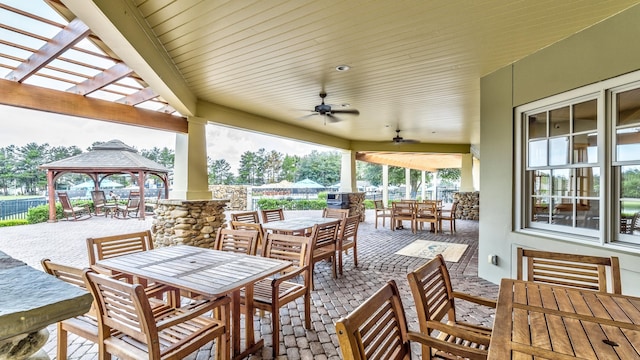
(272, 215)
(348, 239)
(435, 299)
(73, 212)
(381, 212)
(99, 202)
(377, 329)
(273, 293)
(246, 217)
(578, 271)
(238, 241)
(85, 326)
(154, 333)
(332, 213)
(131, 209)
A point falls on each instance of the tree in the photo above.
(273, 167)
(371, 172)
(289, 168)
(29, 158)
(249, 168)
(164, 156)
(220, 172)
(8, 164)
(449, 177)
(322, 167)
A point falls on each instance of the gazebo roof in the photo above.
(109, 156)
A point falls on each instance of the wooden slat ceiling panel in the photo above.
(414, 64)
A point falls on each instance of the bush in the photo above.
(40, 213)
(14, 222)
(290, 204)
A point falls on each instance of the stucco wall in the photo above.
(603, 51)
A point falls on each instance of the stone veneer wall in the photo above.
(356, 205)
(468, 205)
(187, 222)
(237, 195)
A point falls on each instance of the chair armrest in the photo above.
(475, 299)
(459, 350)
(280, 278)
(459, 332)
(192, 312)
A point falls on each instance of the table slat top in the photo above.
(209, 272)
(296, 224)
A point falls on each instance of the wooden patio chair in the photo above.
(435, 299)
(272, 215)
(238, 241)
(237, 225)
(99, 202)
(450, 216)
(332, 213)
(381, 212)
(324, 245)
(132, 208)
(273, 293)
(403, 211)
(100, 248)
(377, 329)
(73, 212)
(348, 239)
(578, 271)
(427, 213)
(154, 333)
(85, 326)
(246, 217)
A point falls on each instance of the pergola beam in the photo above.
(107, 77)
(60, 102)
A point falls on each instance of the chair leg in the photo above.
(275, 329)
(355, 254)
(62, 342)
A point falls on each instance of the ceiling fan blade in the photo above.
(347, 111)
(308, 116)
(333, 119)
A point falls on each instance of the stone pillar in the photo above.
(466, 173)
(348, 172)
(190, 175)
(188, 222)
(356, 205)
(468, 205)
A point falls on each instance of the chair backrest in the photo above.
(65, 273)
(578, 271)
(325, 234)
(246, 217)
(125, 308)
(377, 329)
(64, 200)
(238, 241)
(403, 208)
(98, 198)
(349, 228)
(293, 248)
(335, 213)
(427, 210)
(379, 205)
(432, 292)
(237, 225)
(110, 246)
(272, 215)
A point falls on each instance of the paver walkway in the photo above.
(64, 242)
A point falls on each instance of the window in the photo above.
(572, 144)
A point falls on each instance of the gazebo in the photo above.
(112, 157)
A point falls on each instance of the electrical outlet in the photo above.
(492, 259)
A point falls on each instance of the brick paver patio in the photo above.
(64, 242)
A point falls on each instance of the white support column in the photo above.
(466, 174)
(407, 183)
(424, 190)
(385, 185)
(348, 172)
(190, 180)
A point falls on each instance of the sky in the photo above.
(22, 126)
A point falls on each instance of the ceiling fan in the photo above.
(327, 112)
(399, 139)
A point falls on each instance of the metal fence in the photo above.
(17, 208)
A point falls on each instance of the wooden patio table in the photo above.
(211, 273)
(556, 322)
(301, 225)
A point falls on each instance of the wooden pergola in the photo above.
(110, 158)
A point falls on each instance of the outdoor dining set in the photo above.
(168, 302)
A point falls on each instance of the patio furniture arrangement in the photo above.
(435, 299)
(73, 212)
(578, 271)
